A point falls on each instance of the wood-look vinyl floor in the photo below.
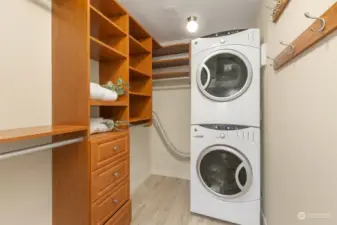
(165, 201)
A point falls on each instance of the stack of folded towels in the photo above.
(97, 92)
(100, 125)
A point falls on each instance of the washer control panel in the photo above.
(224, 126)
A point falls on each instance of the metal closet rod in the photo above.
(39, 148)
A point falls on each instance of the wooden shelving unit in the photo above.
(102, 31)
(102, 27)
(163, 63)
(171, 56)
(170, 75)
(139, 119)
(137, 73)
(134, 93)
(38, 132)
(136, 47)
(171, 50)
(140, 73)
(100, 51)
(107, 103)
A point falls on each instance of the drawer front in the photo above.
(104, 208)
(122, 217)
(109, 177)
(107, 152)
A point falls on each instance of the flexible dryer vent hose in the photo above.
(169, 145)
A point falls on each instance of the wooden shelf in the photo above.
(142, 94)
(137, 31)
(137, 73)
(138, 119)
(100, 51)
(109, 8)
(156, 44)
(102, 27)
(163, 63)
(136, 47)
(170, 75)
(107, 103)
(171, 50)
(37, 132)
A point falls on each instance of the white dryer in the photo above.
(225, 173)
(225, 78)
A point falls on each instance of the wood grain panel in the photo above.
(70, 91)
(309, 38)
(170, 75)
(101, 27)
(163, 63)
(108, 103)
(138, 73)
(137, 31)
(122, 217)
(100, 51)
(136, 47)
(108, 177)
(105, 207)
(109, 8)
(106, 151)
(37, 132)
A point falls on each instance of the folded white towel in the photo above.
(98, 128)
(100, 125)
(97, 92)
(109, 95)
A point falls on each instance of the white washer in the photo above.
(225, 78)
(225, 173)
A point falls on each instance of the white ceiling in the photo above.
(166, 19)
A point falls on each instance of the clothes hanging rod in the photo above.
(39, 148)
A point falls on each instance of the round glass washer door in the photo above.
(224, 75)
(224, 172)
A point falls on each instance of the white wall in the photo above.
(25, 96)
(300, 125)
(140, 167)
(173, 108)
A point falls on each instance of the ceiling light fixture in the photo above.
(192, 24)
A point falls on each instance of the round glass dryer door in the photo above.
(224, 75)
(224, 172)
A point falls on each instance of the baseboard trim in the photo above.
(264, 220)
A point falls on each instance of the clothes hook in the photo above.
(290, 46)
(323, 22)
(273, 59)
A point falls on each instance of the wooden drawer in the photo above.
(106, 151)
(122, 217)
(104, 208)
(108, 177)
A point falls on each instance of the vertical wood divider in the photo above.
(70, 91)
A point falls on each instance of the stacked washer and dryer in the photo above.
(225, 126)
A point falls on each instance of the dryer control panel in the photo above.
(223, 127)
(226, 131)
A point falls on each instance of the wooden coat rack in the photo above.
(321, 28)
(279, 10)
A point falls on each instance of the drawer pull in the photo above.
(116, 174)
(116, 201)
(116, 148)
